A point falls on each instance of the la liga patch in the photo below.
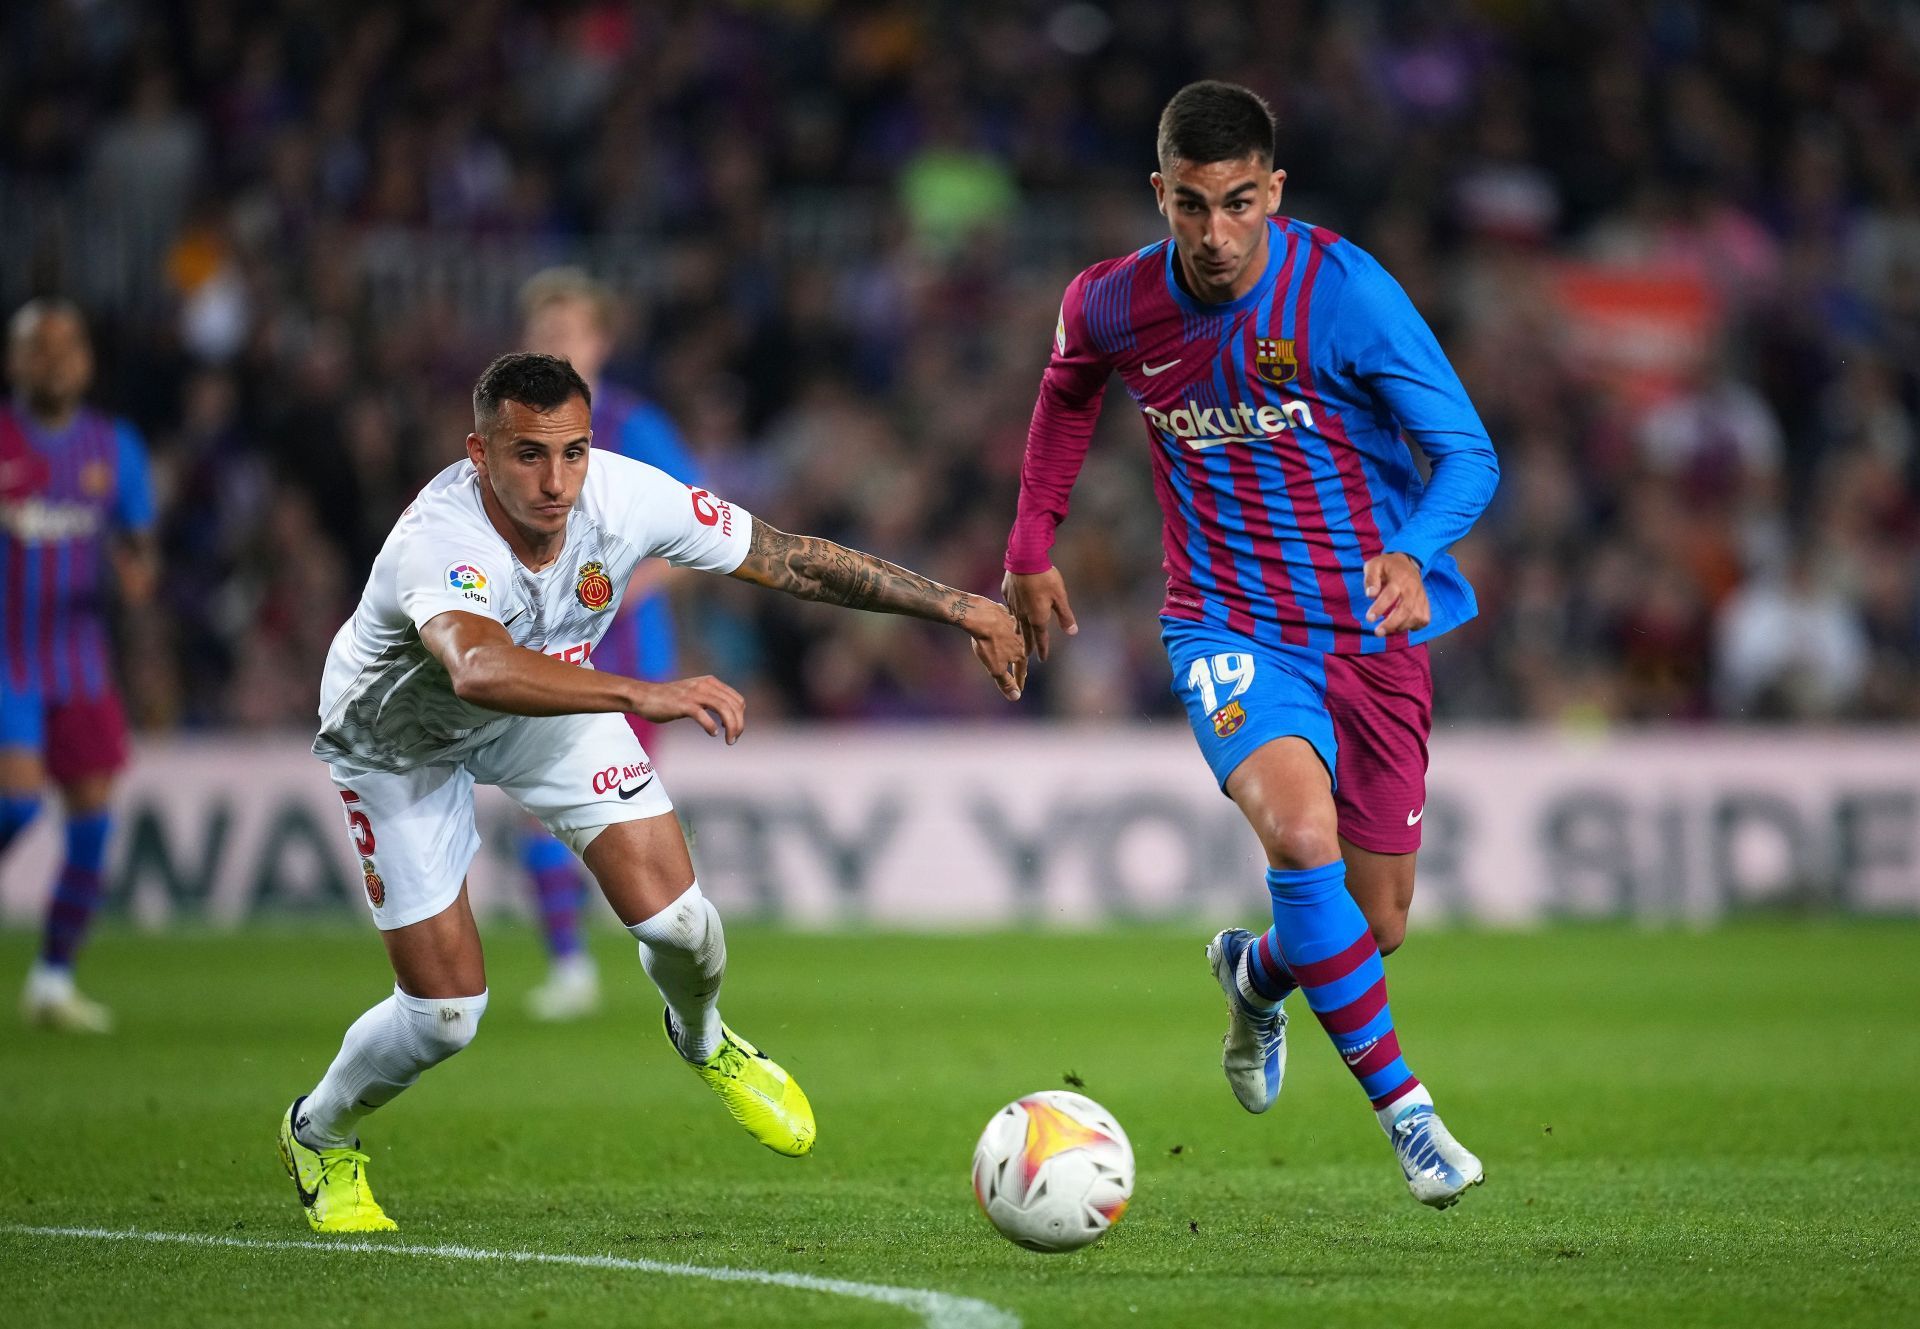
(469, 583)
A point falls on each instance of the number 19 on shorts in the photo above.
(1210, 674)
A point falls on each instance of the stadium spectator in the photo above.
(852, 224)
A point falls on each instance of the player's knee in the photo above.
(88, 795)
(1297, 845)
(442, 1026)
(1388, 933)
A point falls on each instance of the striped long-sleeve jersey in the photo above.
(1279, 425)
(62, 496)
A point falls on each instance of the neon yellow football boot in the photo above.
(332, 1184)
(758, 1092)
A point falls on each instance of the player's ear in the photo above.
(1159, 192)
(477, 452)
(1274, 186)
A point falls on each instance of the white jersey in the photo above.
(386, 704)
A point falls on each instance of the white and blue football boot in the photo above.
(1438, 1167)
(1253, 1052)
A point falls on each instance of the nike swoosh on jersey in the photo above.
(1413, 818)
(1151, 370)
(629, 793)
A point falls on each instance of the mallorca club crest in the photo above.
(1274, 361)
(594, 589)
(376, 888)
(1228, 719)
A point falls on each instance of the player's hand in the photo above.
(1399, 595)
(1037, 598)
(705, 700)
(997, 644)
(134, 570)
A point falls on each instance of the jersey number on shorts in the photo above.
(1211, 673)
(357, 824)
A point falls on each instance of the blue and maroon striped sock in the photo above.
(77, 894)
(559, 890)
(1327, 946)
(17, 812)
(1265, 979)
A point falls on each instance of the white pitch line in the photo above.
(938, 1310)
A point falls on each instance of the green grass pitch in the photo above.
(1679, 1129)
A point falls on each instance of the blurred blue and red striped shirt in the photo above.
(640, 643)
(1279, 424)
(62, 497)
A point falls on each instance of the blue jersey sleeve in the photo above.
(133, 501)
(1387, 345)
(648, 435)
(647, 644)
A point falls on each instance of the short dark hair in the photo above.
(1211, 121)
(538, 381)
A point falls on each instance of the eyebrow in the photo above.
(1188, 191)
(584, 441)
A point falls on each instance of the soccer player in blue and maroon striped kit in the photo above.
(76, 508)
(1282, 374)
(569, 314)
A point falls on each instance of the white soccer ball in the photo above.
(1053, 1171)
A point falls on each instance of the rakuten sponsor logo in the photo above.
(36, 521)
(1209, 426)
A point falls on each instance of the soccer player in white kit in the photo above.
(468, 661)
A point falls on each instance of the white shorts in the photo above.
(414, 830)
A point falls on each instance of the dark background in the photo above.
(840, 232)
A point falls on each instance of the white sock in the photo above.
(578, 967)
(49, 982)
(1414, 1097)
(684, 951)
(383, 1053)
(1244, 981)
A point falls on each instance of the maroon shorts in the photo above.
(1382, 709)
(86, 737)
(642, 730)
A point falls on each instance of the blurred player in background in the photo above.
(567, 313)
(463, 664)
(1277, 367)
(76, 508)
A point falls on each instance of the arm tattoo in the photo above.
(815, 569)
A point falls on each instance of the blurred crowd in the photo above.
(840, 232)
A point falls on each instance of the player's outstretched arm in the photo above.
(815, 569)
(488, 670)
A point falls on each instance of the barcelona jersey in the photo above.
(62, 496)
(641, 643)
(1279, 425)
